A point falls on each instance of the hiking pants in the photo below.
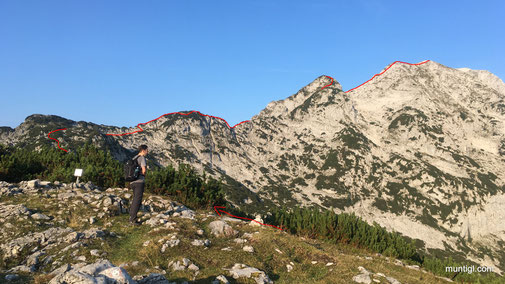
(138, 191)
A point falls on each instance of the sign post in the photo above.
(77, 173)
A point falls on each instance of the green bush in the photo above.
(186, 186)
(17, 164)
(350, 229)
(342, 228)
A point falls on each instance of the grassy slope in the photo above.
(129, 247)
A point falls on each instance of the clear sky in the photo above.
(125, 62)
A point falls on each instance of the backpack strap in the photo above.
(136, 158)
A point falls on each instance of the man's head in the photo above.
(143, 150)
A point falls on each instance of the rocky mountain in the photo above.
(419, 149)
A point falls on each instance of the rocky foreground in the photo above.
(59, 233)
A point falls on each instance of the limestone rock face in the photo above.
(419, 149)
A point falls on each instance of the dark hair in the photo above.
(142, 147)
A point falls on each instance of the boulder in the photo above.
(364, 277)
(193, 267)
(201, 243)
(392, 280)
(170, 243)
(118, 276)
(88, 186)
(240, 241)
(33, 259)
(186, 261)
(189, 214)
(220, 228)
(221, 279)
(93, 233)
(45, 184)
(77, 277)
(100, 272)
(39, 216)
(23, 268)
(257, 221)
(66, 195)
(107, 202)
(183, 212)
(248, 249)
(176, 266)
(240, 270)
(72, 237)
(62, 269)
(97, 267)
(33, 183)
(181, 265)
(153, 278)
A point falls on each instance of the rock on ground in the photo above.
(153, 278)
(364, 277)
(102, 271)
(241, 270)
(118, 274)
(248, 249)
(221, 279)
(220, 228)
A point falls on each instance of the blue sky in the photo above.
(125, 62)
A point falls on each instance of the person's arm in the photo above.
(143, 166)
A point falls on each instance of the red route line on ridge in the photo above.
(231, 127)
(252, 220)
(138, 125)
(222, 211)
(193, 111)
(49, 136)
(329, 83)
(385, 71)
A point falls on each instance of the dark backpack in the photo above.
(132, 169)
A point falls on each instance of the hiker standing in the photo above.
(138, 184)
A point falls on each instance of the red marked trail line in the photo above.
(231, 127)
(217, 208)
(385, 71)
(329, 83)
(49, 136)
(193, 111)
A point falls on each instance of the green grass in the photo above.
(128, 247)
